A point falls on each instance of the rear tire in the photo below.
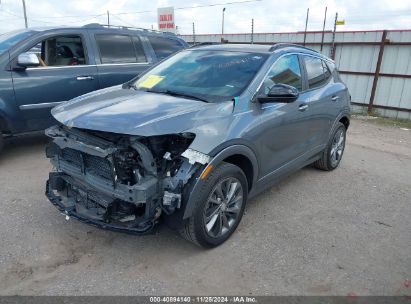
(219, 207)
(332, 155)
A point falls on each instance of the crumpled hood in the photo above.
(127, 111)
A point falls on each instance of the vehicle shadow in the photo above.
(16, 147)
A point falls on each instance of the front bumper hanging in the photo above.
(57, 201)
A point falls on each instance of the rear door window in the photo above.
(116, 48)
(164, 47)
(317, 72)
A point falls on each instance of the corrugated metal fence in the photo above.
(376, 65)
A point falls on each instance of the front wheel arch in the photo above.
(226, 153)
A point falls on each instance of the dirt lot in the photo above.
(338, 233)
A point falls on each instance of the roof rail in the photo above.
(98, 25)
(204, 43)
(283, 45)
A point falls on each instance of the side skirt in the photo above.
(286, 170)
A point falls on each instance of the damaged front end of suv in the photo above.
(174, 144)
(119, 182)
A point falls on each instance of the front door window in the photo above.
(60, 51)
(286, 71)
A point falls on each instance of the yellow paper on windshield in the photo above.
(150, 81)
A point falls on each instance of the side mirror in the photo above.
(26, 60)
(280, 93)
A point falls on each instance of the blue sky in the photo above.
(269, 15)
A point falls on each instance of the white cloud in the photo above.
(269, 15)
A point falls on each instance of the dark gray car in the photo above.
(39, 68)
(193, 138)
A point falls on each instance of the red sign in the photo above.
(166, 19)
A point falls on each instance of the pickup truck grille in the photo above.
(93, 165)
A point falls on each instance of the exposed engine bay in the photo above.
(119, 182)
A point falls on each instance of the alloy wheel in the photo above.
(223, 207)
(337, 147)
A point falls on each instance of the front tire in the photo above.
(219, 207)
(332, 155)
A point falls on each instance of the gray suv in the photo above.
(39, 68)
(194, 137)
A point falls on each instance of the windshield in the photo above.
(9, 39)
(209, 75)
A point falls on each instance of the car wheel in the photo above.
(219, 207)
(332, 155)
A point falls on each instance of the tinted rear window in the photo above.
(315, 71)
(318, 73)
(164, 47)
(116, 48)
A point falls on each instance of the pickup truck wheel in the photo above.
(219, 208)
(332, 155)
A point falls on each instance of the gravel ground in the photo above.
(316, 233)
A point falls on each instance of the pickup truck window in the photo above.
(60, 51)
(164, 47)
(119, 49)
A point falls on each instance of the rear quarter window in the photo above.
(164, 47)
(315, 72)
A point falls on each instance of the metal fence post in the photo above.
(332, 50)
(194, 34)
(252, 31)
(377, 71)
